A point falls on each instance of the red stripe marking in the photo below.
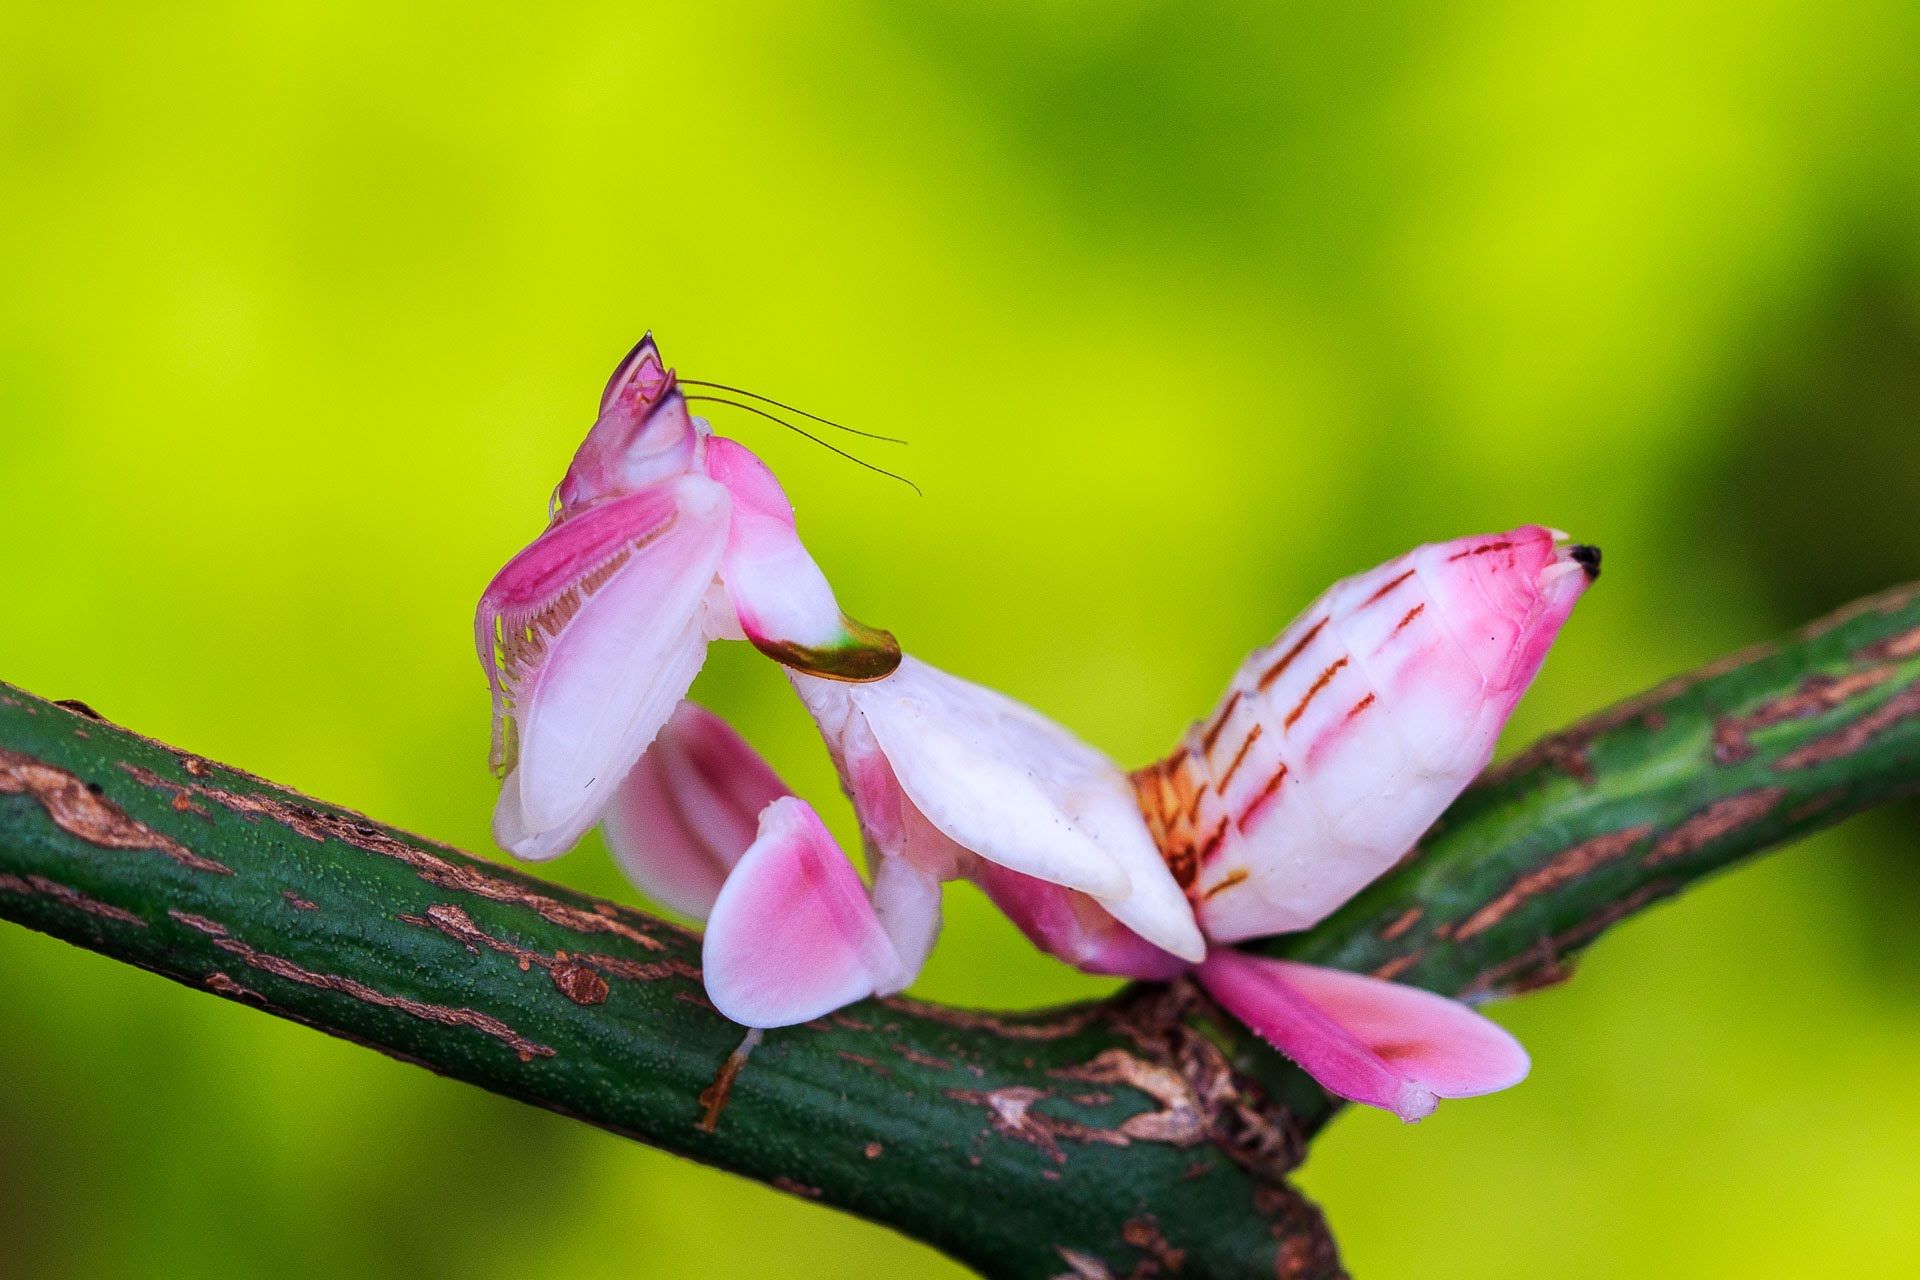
(1266, 794)
(1360, 706)
(1480, 551)
(1213, 841)
(1213, 734)
(1410, 616)
(1382, 592)
(1319, 684)
(1246, 746)
(1286, 659)
(1232, 878)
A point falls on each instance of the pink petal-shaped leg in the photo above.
(596, 628)
(990, 775)
(689, 810)
(792, 935)
(906, 900)
(1074, 927)
(949, 771)
(783, 601)
(1381, 1043)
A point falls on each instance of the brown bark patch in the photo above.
(572, 978)
(1232, 1110)
(448, 871)
(79, 810)
(1564, 868)
(642, 970)
(1894, 648)
(67, 895)
(1853, 738)
(1399, 964)
(1011, 1110)
(1570, 750)
(223, 984)
(289, 971)
(1143, 1233)
(1548, 962)
(1400, 924)
(1051, 1025)
(1305, 1247)
(920, 1059)
(1081, 1266)
(579, 984)
(1178, 1121)
(1715, 822)
(1816, 695)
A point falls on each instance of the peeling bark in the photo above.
(77, 809)
(1562, 869)
(71, 897)
(354, 989)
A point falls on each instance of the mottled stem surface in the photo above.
(1138, 1136)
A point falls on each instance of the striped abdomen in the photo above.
(1336, 746)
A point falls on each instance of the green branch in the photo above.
(1114, 1138)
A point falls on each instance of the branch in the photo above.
(1134, 1136)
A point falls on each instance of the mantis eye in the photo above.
(640, 371)
(642, 437)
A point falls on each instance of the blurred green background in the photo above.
(1188, 308)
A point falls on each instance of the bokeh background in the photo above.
(1187, 307)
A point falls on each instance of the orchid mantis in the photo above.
(663, 536)
(1331, 752)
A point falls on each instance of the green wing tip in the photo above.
(867, 654)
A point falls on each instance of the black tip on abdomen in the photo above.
(1587, 557)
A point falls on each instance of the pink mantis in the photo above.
(1331, 752)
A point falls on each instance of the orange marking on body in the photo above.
(1212, 842)
(1382, 592)
(1246, 746)
(1286, 659)
(1220, 722)
(1169, 793)
(1266, 793)
(1326, 678)
(1480, 551)
(1169, 801)
(1360, 706)
(1411, 614)
(1232, 878)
